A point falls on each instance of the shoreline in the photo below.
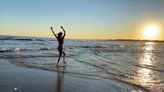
(14, 78)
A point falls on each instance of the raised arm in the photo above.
(63, 31)
(53, 32)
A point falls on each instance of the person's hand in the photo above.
(51, 28)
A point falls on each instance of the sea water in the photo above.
(137, 63)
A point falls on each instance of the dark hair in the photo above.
(60, 34)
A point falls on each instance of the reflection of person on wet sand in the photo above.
(60, 79)
(60, 40)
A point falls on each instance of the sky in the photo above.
(82, 19)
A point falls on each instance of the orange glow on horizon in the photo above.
(150, 31)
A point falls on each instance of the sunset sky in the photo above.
(84, 19)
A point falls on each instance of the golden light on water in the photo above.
(145, 74)
(151, 31)
(146, 59)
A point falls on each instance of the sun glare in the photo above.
(151, 31)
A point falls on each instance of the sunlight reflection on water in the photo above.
(146, 59)
(145, 75)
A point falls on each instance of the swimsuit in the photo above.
(60, 42)
(60, 49)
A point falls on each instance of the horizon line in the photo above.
(91, 39)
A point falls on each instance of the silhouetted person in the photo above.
(60, 40)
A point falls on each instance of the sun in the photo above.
(151, 31)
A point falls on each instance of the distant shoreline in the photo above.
(135, 40)
(139, 40)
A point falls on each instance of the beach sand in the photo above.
(21, 79)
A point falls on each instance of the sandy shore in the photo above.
(20, 79)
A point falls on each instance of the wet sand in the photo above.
(20, 79)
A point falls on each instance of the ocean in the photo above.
(136, 63)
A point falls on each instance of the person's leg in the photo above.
(60, 54)
(64, 57)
